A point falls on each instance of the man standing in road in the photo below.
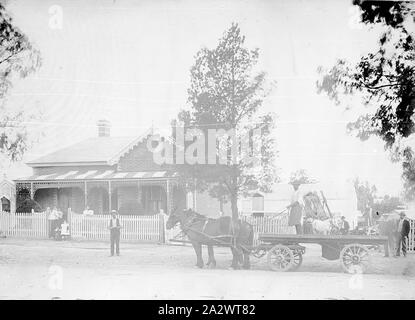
(115, 226)
(402, 234)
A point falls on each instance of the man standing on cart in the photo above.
(296, 208)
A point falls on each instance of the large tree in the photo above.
(225, 94)
(385, 80)
(18, 58)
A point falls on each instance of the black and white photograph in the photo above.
(217, 150)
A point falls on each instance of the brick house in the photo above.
(103, 173)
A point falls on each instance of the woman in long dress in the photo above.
(296, 208)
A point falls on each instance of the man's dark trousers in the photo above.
(402, 236)
(401, 242)
(115, 241)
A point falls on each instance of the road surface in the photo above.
(33, 269)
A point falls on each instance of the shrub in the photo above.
(27, 205)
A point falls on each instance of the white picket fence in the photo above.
(24, 225)
(134, 228)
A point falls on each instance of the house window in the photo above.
(5, 204)
(153, 199)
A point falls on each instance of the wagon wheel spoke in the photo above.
(354, 258)
(280, 258)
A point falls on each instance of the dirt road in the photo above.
(83, 270)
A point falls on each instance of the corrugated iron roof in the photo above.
(98, 175)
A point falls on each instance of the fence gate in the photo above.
(411, 238)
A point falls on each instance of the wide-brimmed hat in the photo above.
(295, 183)
(114, 211)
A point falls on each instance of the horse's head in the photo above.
(177, 216)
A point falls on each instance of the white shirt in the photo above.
(114, 223)
(297, 197)
(65, 229)
(400, 225)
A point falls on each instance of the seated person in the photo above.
(344, 226)
(65, 228)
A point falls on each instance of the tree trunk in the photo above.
(234, 207)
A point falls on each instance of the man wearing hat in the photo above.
(296, 208)
(402, 234)
(344, 226)
(115, 226)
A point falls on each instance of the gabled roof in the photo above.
(92, 151)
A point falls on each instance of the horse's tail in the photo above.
(251, 235)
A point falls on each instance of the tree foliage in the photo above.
(408, 175)
(384, 78)
(226, 93)
(18, 58)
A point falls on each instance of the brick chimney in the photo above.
(104, 127)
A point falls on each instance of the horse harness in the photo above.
(196, 219)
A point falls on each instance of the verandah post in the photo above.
(109, 196)
(69, 220)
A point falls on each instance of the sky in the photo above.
(129, 61)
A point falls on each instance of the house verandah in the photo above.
(131, 193)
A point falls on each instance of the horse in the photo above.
(202, 230)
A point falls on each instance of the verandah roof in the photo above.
(98, 175)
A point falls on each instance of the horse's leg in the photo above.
(209, 255)
(198, 250)
(246, 263)
(240, 255)
(235, 258)
(211, 262)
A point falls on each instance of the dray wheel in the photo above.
(280, 258)
(298, 260)
(355, 258)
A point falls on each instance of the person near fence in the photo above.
(114, 226)
(60, 216)
(402, 234)
(65, 229)
(296, 208)
(53, 218)
(88, 212)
